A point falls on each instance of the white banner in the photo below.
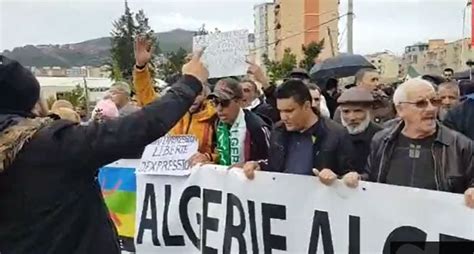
(215, 210)
(225, 53)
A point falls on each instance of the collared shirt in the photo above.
(300, 151)
(254, 104)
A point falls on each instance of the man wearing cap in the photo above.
(356, 109)
(241, 135)
(120, 94)
(51, 201)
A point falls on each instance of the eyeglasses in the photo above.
(424, 103)
(224, 103)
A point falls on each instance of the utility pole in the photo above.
(350, 22)
(333, 53)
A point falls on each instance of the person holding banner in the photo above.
(305, 143)
(51, 201)
(201, 116)
(241, 134)
(419, 151)
(356, 106)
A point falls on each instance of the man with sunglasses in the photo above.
(419, 152)
(240, 134)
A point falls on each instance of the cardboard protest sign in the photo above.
(216, 210)
(225, 53)
(168, 155)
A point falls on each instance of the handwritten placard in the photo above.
(168, 155)
(225, 53)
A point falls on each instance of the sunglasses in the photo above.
(224, 103)
(424, 103)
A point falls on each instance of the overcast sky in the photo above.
(379, 24)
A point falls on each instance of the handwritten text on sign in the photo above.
(169, 155)
(225, 53)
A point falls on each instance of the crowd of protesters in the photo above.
(419, 136)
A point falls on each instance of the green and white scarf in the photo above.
(231, 141)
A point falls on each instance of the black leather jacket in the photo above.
(335, 150)
(452, 154)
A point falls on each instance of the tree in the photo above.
(173, 64)
(278, 70)
(76, 97)
(311, 52)
(122, 45)
(143, 28)
(126, 28)
(201, 31)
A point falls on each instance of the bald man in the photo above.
(419, 151)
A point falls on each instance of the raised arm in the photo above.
(102, 143)
(141, 74)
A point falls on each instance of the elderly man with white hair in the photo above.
(419, 151)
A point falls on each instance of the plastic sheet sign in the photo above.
(225, 53)
(168, 155)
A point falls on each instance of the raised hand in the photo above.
(196, 68)
(258, 74)
(143, 50)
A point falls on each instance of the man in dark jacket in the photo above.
(461, 117)
(418, 151)
(356, 116)
(241, 135)
(304, 143)
(51, 202)
(383, 108)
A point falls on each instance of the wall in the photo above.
(300, 24)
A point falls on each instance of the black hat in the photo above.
(19, 88)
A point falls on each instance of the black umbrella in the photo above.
(341, 66)
(462, 75)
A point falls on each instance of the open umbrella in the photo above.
(341, 66)
(462, 75)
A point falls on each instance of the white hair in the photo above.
(361, 127)
(401, 93)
